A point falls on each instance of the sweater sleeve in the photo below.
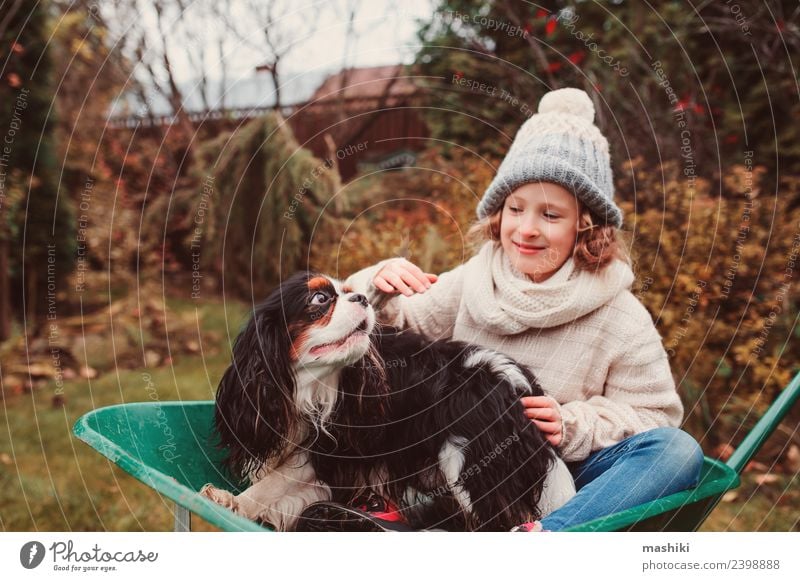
(639, 395)
(432, 313)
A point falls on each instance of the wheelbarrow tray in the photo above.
(682, 511)
(169, 447)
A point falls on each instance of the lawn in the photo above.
(50, 481)
(759, 507)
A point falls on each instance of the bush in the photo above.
(420, 213)
(715, 265)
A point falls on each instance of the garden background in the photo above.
(152, 191)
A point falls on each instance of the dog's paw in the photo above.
(219, 496)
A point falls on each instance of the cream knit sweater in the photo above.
(590, 342)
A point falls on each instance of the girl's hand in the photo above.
(400, 275)
(543, 411)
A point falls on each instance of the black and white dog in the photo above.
(320, 403)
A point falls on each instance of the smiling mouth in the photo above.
(525, 248)
(359, 331)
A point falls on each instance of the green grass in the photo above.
(770, 507)
(51, 481)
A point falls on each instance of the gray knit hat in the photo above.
(560, 145)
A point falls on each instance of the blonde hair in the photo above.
(596, 245)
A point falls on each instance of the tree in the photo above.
(37, 226)
(176, 42)
(256, 202)
(273, 29)
(101, 167)
(726, 74)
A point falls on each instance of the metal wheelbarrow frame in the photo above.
(168, 446)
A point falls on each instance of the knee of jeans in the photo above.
(679, 451)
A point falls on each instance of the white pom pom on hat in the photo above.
(568, 101)
(559, 145)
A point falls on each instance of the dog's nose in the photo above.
(359, 299)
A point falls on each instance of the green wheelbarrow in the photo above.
(168, 446)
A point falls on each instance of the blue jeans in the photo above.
(639, 469)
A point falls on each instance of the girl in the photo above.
(551, 288)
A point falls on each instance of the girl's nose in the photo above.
(529, 228)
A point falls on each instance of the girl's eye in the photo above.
(550, 216)
(513, 209)
(319, 299)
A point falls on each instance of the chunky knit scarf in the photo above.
(508, 302)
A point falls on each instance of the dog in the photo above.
(322, 403)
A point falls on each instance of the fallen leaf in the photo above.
(754, 466)
(762, 479)
(793, 458)
(152, 358)
(723, 451)
(88, 372)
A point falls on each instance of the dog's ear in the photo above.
(254, 412)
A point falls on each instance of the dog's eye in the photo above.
(319, 299)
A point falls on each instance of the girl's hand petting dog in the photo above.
(543, 411)
(400, 275)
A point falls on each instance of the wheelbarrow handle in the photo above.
(765, 426)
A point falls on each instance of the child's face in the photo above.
(538, 228)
